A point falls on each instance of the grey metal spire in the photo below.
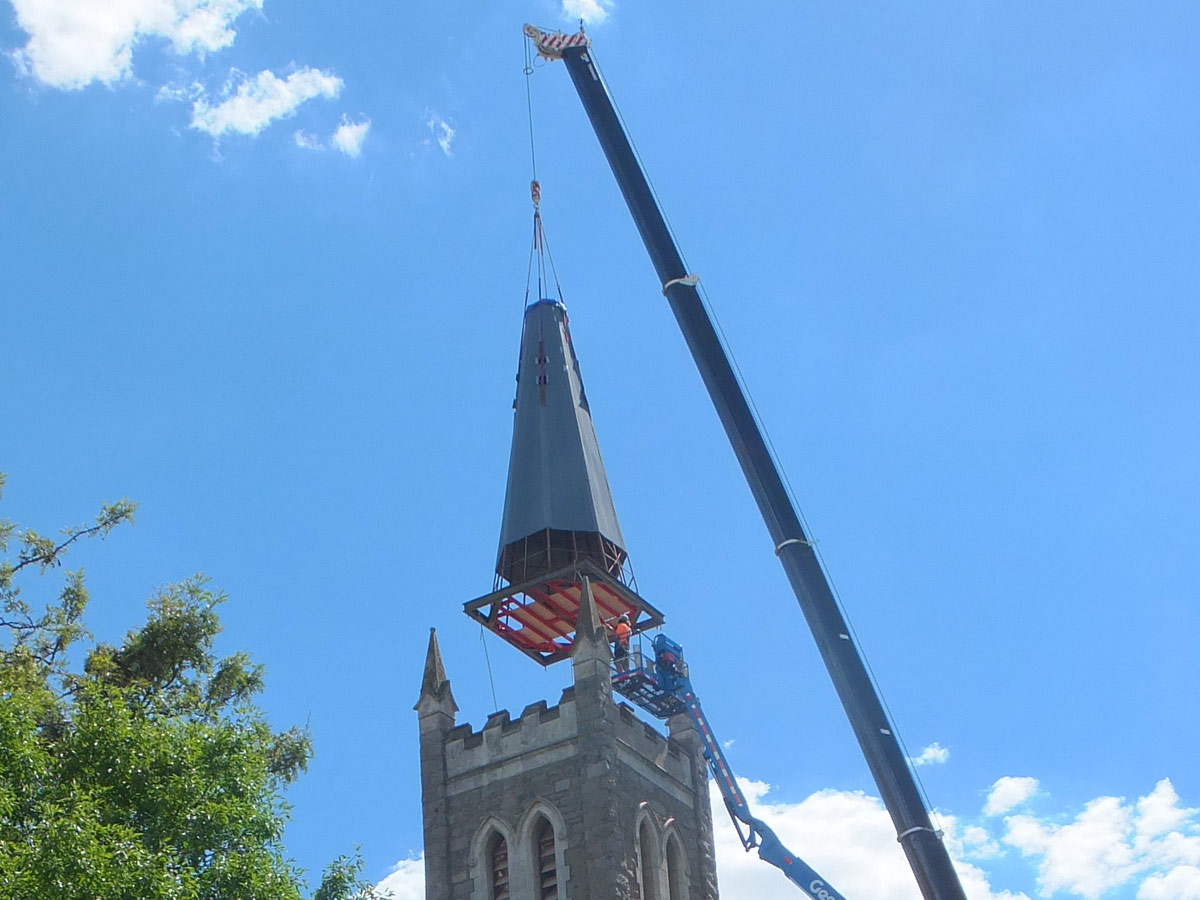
(557, 508)
(562, 559)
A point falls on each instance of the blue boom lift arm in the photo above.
(664, 688)
(927, 855)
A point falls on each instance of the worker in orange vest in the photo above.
(621, 635)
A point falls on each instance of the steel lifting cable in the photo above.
(550, 258)
(540, 249)
(528, 73)
(487, 659)
(535, 252)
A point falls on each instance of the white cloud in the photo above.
(591, 11)
(258, 101)
(934, 754)
(307, 140)
(1087, 857)
(349, 136)
(1008, 792)
(176, 93)
(1111, 843)
(442, 131)
(406, 881)
(73, 43)
(1159, 811)
(978, 843)
(846, 836)
(1181, 883)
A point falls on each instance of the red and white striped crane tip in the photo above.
(551, 44)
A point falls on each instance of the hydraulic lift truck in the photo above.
(663, 688)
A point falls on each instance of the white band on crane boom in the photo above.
(784, 543)
(689, 280)
(551, 44)
(902, 835)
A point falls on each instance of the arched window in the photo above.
(544, 863)
(648, 862)
(498, 865)
(677, 886)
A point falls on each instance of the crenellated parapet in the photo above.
(545, 734)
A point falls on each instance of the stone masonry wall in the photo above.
(595, 771)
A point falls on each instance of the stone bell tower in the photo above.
(576, 801)
(581, 800)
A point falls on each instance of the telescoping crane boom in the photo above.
(923, 846)
(664, 688)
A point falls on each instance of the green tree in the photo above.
(142, 771)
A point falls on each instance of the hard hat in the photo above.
(623, 618)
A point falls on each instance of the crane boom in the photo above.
(923, 846)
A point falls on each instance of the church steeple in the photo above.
(579, 798)
(558, 507)
(559, 521)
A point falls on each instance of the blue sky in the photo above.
(262, 270)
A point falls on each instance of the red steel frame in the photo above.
(538, 616)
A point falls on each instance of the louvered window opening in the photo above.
(547, 869)
(500, 870)
(648, 864)
(675, 886)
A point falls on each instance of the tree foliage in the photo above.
(144, 770)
